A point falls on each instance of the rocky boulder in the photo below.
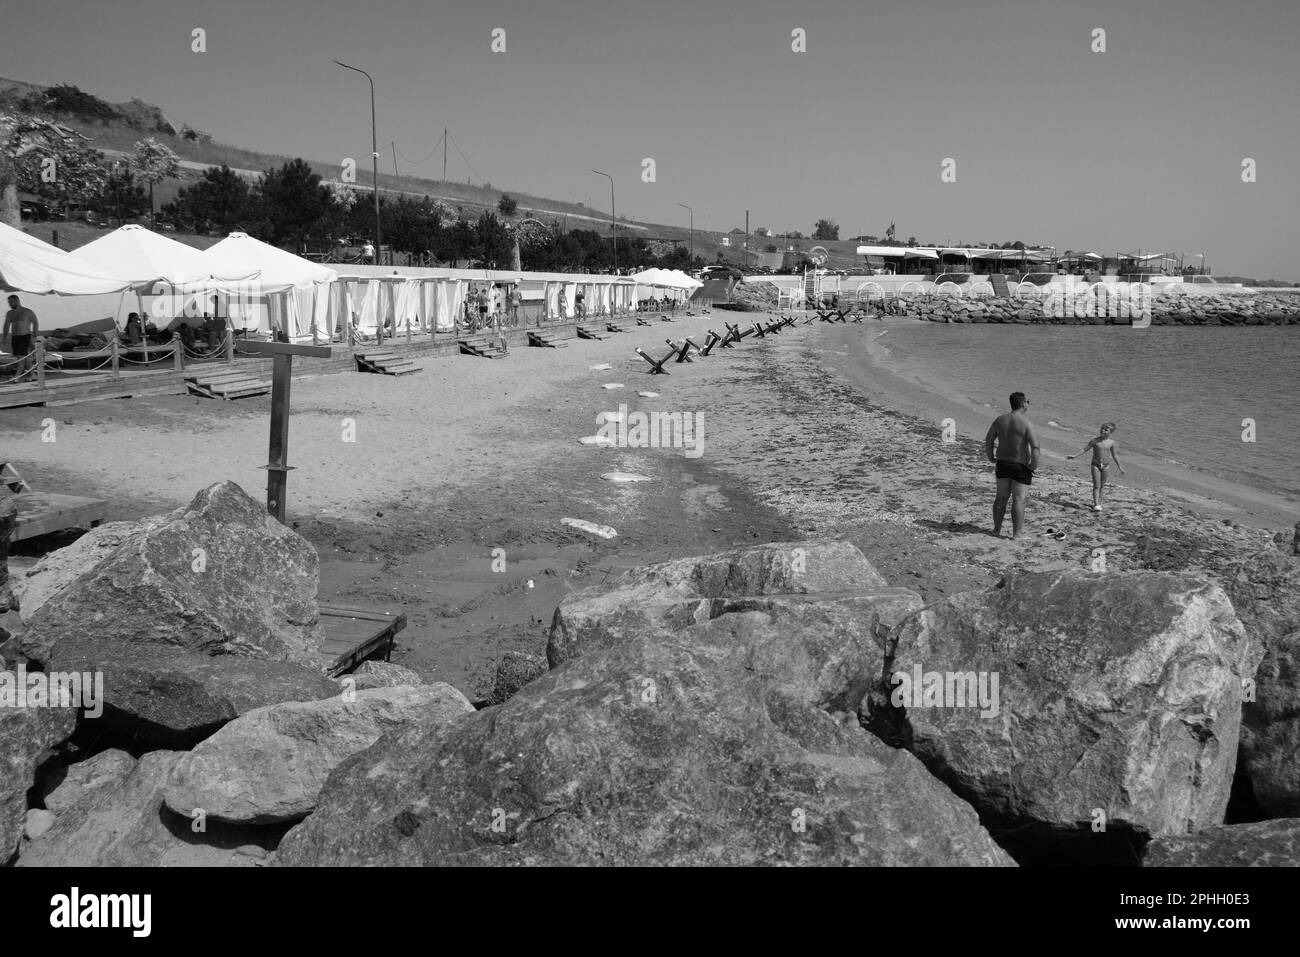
(8, 515)
(76, 781)
(216, 577)
(1265, 844)
(163, 696)
(383, 674)
(672, 595)
(125, 825)
(1265, 592)
(514, 670)
(26, 737)
(700, 749)
(1058, 700)
(270, 764)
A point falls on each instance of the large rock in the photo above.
(672, 595)
(169, 697)
(1265, 844)
(514, 669)
(103, 770)
(1265, 592)
(270, 764)
(216, 577)
(126, 825)
(26, 737)
(701, 749)
(383, 674)
(1117, 693)
(8, 515)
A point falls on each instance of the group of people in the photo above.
(1012, 446)
(492, 301)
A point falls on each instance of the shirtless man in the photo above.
(20, 325)
(1016, 459)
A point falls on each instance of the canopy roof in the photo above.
(29, 265)
(147, 258)
(668, 278)
(279, 270)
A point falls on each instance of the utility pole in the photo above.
(745, 254)
(444, 154)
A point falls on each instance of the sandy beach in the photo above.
(408, 485)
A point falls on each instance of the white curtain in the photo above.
(368, 307)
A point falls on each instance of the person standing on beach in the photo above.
(1016, 459)
(20, 327)
(1100, 445)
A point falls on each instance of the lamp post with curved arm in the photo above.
(374, 153)
(692, 212)
(612, 235)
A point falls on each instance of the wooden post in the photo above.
(230, 344)
(114, 345)
(40, 362)
(178, 361)
(278, 468)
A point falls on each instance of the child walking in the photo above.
(1100, 445)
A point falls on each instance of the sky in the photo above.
(1139, 146)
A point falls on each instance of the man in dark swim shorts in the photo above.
(1015, 458)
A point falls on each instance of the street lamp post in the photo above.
(612, 235)
(374, 154)
(692, 212)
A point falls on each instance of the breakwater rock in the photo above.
(1086, 306)
(1101, 708)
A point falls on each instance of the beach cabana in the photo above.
(29, 265)
(288, 284)
(157, 267)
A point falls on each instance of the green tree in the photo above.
(826, 229)
(218, 202)
(507, 205)
(24, 138)
(122, 196)
(67, 173)
(154, 162)
(296, 205)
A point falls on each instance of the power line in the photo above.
(466, 159)
(411, 162)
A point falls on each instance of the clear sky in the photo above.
(1139, 146)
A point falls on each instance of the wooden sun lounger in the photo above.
(354, 634)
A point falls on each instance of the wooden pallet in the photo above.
(40, 513)
(385, 362)
(229, 384)
(620, 325)
(354, 634)
(482, 347)
(591, 331)
(545, 340)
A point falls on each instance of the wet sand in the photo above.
(802, 437)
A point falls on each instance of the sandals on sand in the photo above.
(1056, 533)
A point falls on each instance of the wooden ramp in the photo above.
(545, 340)
(385, 362)
(225, 383)
(999, 283)
(590, 330)
(354, 634)
(620, 325)
(40, 513)
(482, 347)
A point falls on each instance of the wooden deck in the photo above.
(40, 513)
(354, 634)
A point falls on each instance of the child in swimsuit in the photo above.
(1100, 445)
